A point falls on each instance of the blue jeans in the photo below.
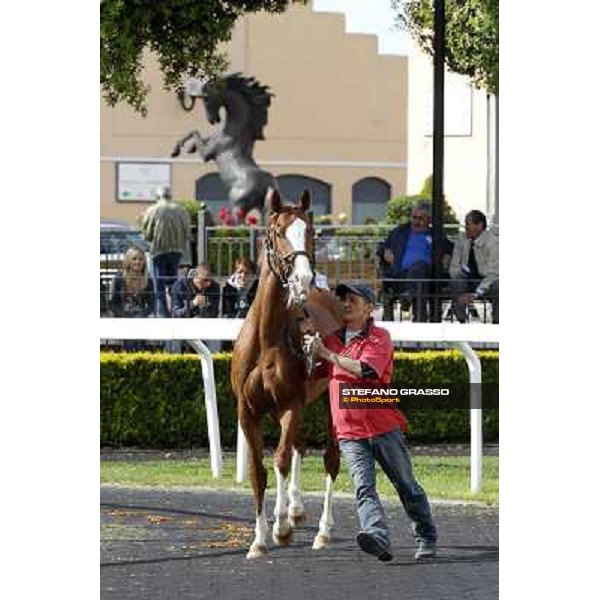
(165, 274)
(389, 450)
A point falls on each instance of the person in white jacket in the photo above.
(474, 268)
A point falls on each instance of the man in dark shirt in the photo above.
(196, 294)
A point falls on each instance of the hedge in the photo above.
(156, 400)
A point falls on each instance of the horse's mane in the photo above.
(256, 95)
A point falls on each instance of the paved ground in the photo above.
(170, 544)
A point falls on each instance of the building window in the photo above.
(292, 186)
(209, 189)
(370, 197)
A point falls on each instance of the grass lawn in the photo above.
(442, 477)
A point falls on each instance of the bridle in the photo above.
(281, 265)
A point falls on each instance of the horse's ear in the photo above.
(273, 200)
(305, 200)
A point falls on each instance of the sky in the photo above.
(369, 16)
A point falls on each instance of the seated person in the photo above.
(474, 268)
(240, 289)
(407, 254)
(132, 292)
(196, 294)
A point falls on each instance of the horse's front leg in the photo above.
(192, 135)
(282, 529)
(296, 512)
(258, 477)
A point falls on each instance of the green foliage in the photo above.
(157, 400)
(427, 189)
(192, 208)
(400, 208)
(184, 35)
(472, 30)
(444, 477)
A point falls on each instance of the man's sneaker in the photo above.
(425, 549)
(370, 545)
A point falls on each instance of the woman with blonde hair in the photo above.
(132, 292)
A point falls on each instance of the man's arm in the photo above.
(492, 265)
(355, 367)
(148, 225)
(455, 266)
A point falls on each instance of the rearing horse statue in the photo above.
(246, 103)
(269, 371)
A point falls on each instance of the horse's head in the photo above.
(213, 98)
(289, 246)
(246, 102)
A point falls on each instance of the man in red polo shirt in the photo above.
(362, 354)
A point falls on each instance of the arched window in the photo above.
(209, 189)
(292, 186)
(370, 197)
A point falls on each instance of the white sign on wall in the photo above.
(458, 107)
(137, 182)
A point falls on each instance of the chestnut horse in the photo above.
(269, 369)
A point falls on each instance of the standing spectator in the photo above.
(196, 295)
(407, 254)
(362, 354)
(474, 268)
(132, 292)
(166, 225)
(240, 289)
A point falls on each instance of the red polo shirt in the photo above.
(374, 347)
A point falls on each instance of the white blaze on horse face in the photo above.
(302, 273)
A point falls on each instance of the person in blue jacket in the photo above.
(407, 264)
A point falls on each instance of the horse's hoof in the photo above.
(321, 541)
(297, 520)
(256, 551)
(283, 537)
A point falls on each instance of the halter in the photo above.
(285, 262)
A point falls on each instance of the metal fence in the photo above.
(342, 253)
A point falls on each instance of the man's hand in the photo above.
(199, 300)
(466, 299)
(388, 256)
(320, 350)
(315, 343)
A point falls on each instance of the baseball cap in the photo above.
(359, 289)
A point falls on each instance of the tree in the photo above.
(400, 208)
(471, 36)
(184, 34)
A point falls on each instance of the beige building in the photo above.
(337, 122)
(466, 137)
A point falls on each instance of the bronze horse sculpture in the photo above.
(269, 371)
(246, 103)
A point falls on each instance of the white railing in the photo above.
(197, 330)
